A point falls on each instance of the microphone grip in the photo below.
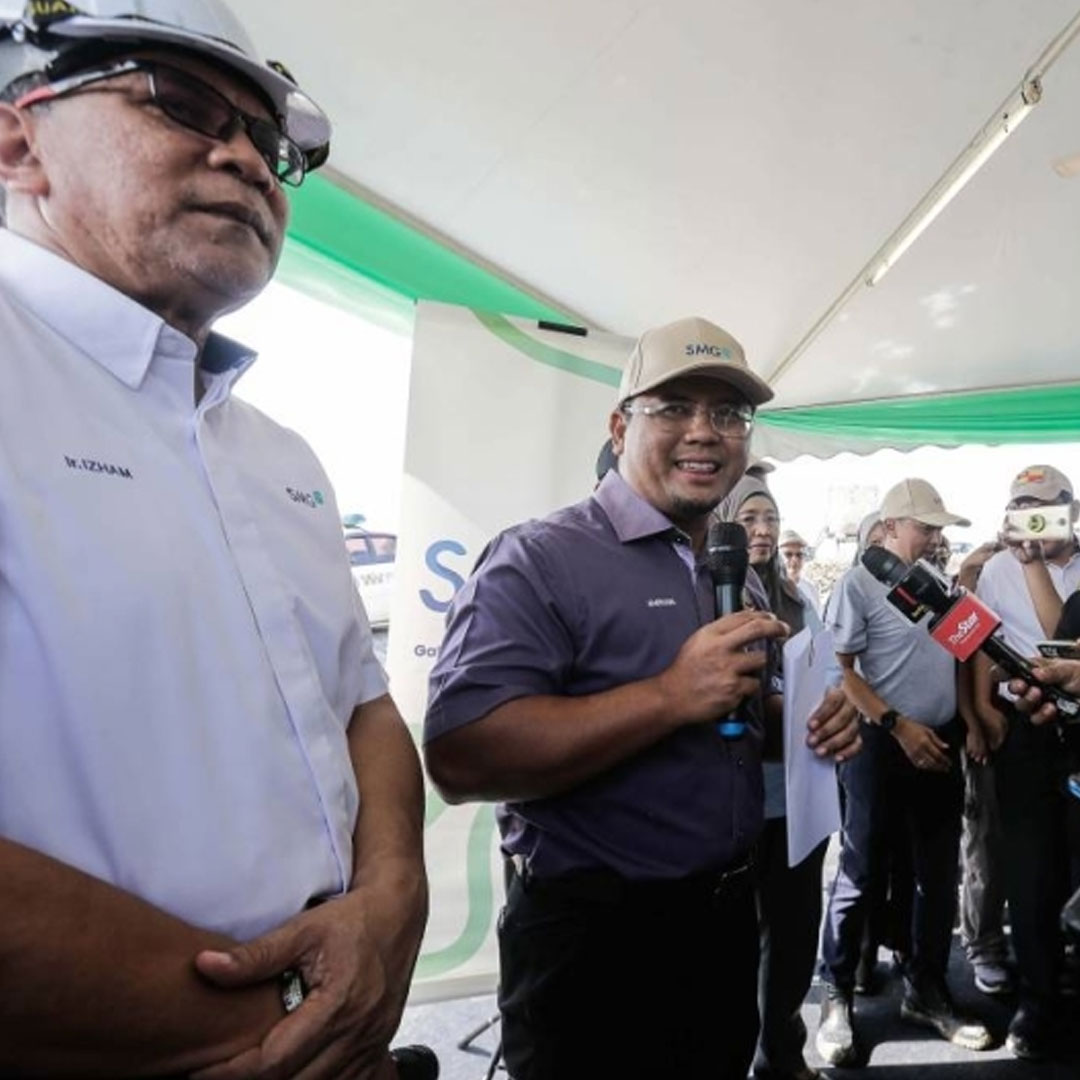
(728, 601)
(1009, 660)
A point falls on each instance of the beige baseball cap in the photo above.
(919, 500)
(790, 537)
(1042, 482)
(690, 347)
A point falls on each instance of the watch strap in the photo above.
(887, 720)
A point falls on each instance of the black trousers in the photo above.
(878, 783)
(604, 978)
(1029, 771)
(789, 914)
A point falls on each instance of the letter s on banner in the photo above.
(442, 547)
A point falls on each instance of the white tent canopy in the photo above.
(636, 162)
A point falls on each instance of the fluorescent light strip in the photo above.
(1002, 124)
(979, 151)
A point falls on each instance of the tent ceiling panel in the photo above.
(637, 161)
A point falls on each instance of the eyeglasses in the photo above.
(193, 104)
(673, 417)
(791, 555)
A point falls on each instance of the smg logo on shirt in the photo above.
(314, 499)
(90, 465)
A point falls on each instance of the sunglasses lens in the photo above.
(285, 158)
(201, 108)
(195, 105)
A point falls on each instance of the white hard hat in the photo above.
(34, 35)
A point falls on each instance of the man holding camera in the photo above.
(1026, 585)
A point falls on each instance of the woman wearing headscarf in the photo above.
(789, 899)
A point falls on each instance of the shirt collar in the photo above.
(631, 516)
(104, 324)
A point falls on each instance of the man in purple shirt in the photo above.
(579, 683)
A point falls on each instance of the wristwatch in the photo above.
(293, 990)
(887, 720)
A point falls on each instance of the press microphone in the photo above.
(415, 1063)
(960, 622)
(727, 557)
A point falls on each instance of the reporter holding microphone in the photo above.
(1027, 585)
(586, 685)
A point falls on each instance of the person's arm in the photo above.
(993, 721)
(356, 952)
(96, 982)
(923, 747)
(1048, 604)
(975, 739)
(971, 567)
(543, 744)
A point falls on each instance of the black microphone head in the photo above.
(726, 553)
(888, 568)
(416, 1062)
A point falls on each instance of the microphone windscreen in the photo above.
(726, 552)
(884, 565)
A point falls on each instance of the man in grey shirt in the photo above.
(904, 684)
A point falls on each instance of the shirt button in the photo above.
(738, 762)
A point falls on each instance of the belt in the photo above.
(606, 886)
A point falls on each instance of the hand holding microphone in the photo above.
(960, 622)
(713, 672)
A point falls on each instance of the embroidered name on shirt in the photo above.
(662, 601)
(89, 465)
(314, 499)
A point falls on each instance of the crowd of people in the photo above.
(211, 813)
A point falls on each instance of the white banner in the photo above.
(505, 423)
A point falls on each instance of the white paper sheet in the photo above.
(813, 799)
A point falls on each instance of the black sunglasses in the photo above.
(195, 105)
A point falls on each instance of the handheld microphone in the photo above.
(415, 1063)
(728, 558)
(961, 623)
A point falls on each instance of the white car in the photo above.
(371, 556)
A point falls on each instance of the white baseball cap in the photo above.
(691, 346)
(919, 500)
(1042, 482)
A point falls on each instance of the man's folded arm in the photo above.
(96, 982)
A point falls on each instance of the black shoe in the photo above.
(416, 1062)
(1031, 1034)
(835, 1039)
(931, 1006)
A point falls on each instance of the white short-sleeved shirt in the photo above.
(181, 646)
(1003, 588)
(899, 660)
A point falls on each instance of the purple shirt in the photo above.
(595, 596)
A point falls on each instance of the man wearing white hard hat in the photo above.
(197, 746)
(904, 684)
